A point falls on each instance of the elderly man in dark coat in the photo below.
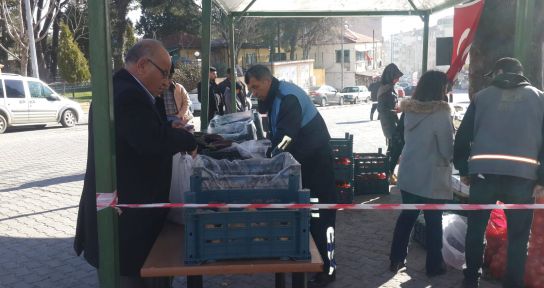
(145, 143)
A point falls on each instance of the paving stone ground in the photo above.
(41, 177)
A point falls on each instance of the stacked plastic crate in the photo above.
(342, 151)
(220, 234)
(371, 173)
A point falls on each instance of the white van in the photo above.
(29, 101)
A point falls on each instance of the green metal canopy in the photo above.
(101, 66)
(349, 7)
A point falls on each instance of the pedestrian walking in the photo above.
(374, 87)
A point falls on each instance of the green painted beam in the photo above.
(295, 14)
(425, 43)
(248, 6)
(415, 8)
(104, 137)
(232, 61)
(205, 68)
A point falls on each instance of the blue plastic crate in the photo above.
(215, 236)
(212, 234)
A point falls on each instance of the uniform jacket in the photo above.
(424, 167)
(296, 117)
(502, 131)
(145, 143)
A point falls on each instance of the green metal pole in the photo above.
(205, 68)
(104, 137)
(425, 42)
(232, 61)
(525, 20)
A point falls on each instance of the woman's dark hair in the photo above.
(390, 73)
(431, 86)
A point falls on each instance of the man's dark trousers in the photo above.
(372, 110)
(487, 189)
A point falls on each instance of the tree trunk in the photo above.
(55, 47)
(533, 67)
(119, 25)
(23, 45)
(293, 46)
(495, 39)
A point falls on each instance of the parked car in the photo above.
(253, 100)
(409, 90)
(354, 95)
(324, 94)
(29, 101)
(195, 107)
(399, 90)
(459, 102)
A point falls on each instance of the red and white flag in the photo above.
(466, 18)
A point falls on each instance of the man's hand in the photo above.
(284, 142)
(177, 124)
(465, 180)
(194, 153)
(538, 191)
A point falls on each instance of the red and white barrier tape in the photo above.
(104, 200)
(113, 203)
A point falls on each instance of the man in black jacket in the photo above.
(145, 143)
(297, 127)
(374, 87)
(215, 103)
(499, 152)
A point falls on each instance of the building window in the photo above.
(339, 56)
(359, 56)
(251, 58)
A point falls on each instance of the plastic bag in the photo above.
(453, 240)
(497, 240)
(534, 267)
(250, 149)
(220, 120)
(182, 168)
(252, 173)
(235, 126)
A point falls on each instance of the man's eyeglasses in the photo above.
(163, 72)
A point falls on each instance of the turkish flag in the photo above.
(466, 18)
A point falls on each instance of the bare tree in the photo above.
(245, 30)
(43, 13)
(118, 14)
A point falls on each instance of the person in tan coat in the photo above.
(177, 101)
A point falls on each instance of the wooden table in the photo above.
(166, 260)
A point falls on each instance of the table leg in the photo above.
(194, 281)
(280, 280)
(300, 280)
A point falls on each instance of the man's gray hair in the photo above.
(143, 48)
(259, 72)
